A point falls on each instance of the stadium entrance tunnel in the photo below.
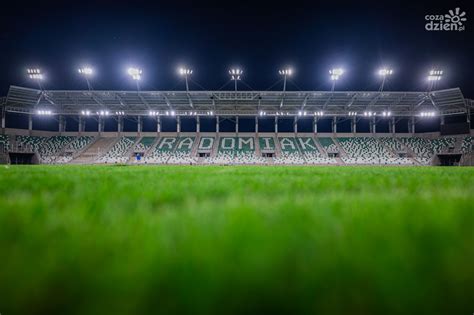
(452, 159)
(23, 158)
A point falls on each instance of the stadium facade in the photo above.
(452, 145)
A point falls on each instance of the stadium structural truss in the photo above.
(237, 103)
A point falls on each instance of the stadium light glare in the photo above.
(43, 112)
(235, 75)
(352, 113)
(262, 113)
(428, 114)
(86, 71)
(336, 73)
(369, 114)
(435, 75)
(386, 113)
(185, 72)
(135, 73)
(103, 113)
(153, 113)
(86, 113)
(35, 74)
(319, 113)
(385, 72)
(120, 113)
(285, 73)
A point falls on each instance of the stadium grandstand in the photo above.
(184, 127)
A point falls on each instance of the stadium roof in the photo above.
(239, 103)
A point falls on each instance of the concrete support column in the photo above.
(30, 124)
(81, 125)
(468, 119)
(411, 125)
(178, 124)
(276, 124)
(139, 125)
(334, 124)
(441, 120)
(354, 125)
(295, 125)
(392, 126)
(374, 125)
(101, 125)
(315, 124)
(3, 119)
(217, 124)
(198, 125)
(158, 124)
(119, 125)
(237, 125)
(62, 124)
(256, 125)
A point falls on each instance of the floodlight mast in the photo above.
(136, 75)
(384, 73)
(235, 76)
(434, 76)
(285, 73)
(35, 74)
(335, 75)
(185, 73)
(87, 72)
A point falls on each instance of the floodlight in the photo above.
(43, 112)
(336, 73)
(35, 74)
(385, 72)
(427, 114)
(286, 72)
(184, 71)
(86, 71)
(235, 74)
(435, 75)
(135, 73)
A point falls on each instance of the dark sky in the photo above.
(312, 37)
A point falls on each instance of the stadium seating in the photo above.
(367, 150)
(47, 148)
(467, 145)
(289, 152)
(172, 150)
(4, 142)
(236, 150)
(144, 144)
(425, 149)
(119, 151)
(311, 153)
(328, 145)
(396, 147)
(75, 146)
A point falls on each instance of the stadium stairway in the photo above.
(342, 153)
(321, 150)
(95, 150)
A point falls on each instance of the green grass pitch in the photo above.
(236, 240)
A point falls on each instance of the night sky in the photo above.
(210, 38)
